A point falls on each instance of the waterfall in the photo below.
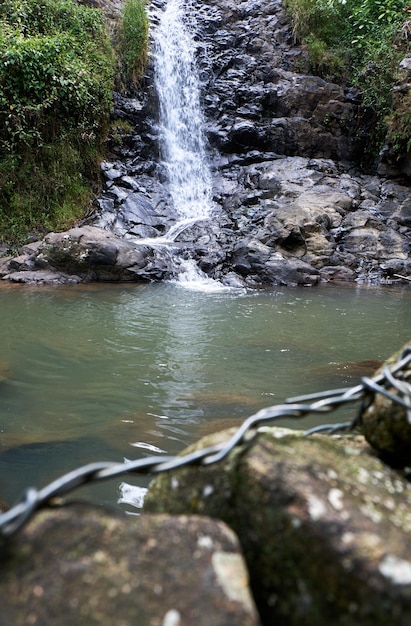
(182, 142)
(181, 121)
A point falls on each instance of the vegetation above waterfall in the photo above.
(361, 42)
(56, 83)
(132, 41)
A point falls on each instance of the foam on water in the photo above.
(191, 277)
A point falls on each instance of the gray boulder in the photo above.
(81, 254)
(82, 566)
(323, 523)
(385, 423)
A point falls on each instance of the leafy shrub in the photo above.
(133, 41)
(56, 80)
(46, 190)
(361, 41)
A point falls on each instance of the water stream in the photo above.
(110, 372)
(181, 120)
(107, 372)
(181, 138)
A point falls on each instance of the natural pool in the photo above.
(106, 372)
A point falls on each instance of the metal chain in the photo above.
(395, 377)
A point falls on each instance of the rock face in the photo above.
(302, 222)
(259, 93)
(396, 162)
(290, 206)
(85, 567)
(323, 523)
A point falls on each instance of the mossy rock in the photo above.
(386, 425)
(324, 525)
(85, 566)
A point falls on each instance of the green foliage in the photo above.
(56, 80)
(399, 125)
(117, 131)
(47, 189)
(368, 17)
(317, 18)
(361, 41)
(133, 41)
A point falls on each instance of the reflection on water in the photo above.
(106, 372)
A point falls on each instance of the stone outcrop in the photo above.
(284, 221)
(323, 523)
(87, 567)
(80, 255)
(259, 93)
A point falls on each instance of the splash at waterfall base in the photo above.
(286, 221)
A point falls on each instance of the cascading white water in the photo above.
(181, 120)
(182, 142)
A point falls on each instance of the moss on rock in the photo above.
(323, 523)
(386, 424)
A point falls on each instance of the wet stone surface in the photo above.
(89, 567)
(323, 523)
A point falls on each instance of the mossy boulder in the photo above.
(84, 566)
(323, 523)
(81, 254)
(386, 424)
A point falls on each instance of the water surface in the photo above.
(107, 372)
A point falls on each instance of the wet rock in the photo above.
(288, 221)
(323, 523)
(386, 424)
(81, 255)
(90, 567)
(41, 277)
(262, 93)
(258, 263)
(311, 209)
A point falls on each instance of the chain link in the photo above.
(391, 378)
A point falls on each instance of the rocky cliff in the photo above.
(291, 206)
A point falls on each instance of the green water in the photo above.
(107, 372)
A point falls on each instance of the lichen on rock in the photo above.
(89, 567)
(323, 522)
(385, 423)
